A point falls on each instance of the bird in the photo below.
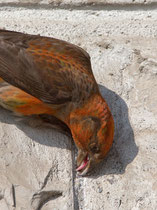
(53, 79)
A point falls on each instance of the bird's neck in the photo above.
(95, 106)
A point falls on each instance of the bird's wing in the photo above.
(51, 70)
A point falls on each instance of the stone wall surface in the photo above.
(79, 2)
(37, 164)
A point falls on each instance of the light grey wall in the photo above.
(120, 37)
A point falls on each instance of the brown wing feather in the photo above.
(52, 70)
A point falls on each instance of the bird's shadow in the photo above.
(40, 134)
(123, 151)
(124, 148)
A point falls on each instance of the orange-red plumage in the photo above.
(46, 76)
(22, 103)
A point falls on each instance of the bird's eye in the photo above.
(94, 148)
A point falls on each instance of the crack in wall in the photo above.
(86, 6)
(48, 176)
(41, 198)
(75, 197)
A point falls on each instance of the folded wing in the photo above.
(51, 70)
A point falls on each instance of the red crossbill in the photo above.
(53, 77)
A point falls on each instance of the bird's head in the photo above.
(92, 130)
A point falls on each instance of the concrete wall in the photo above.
(37, 165)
